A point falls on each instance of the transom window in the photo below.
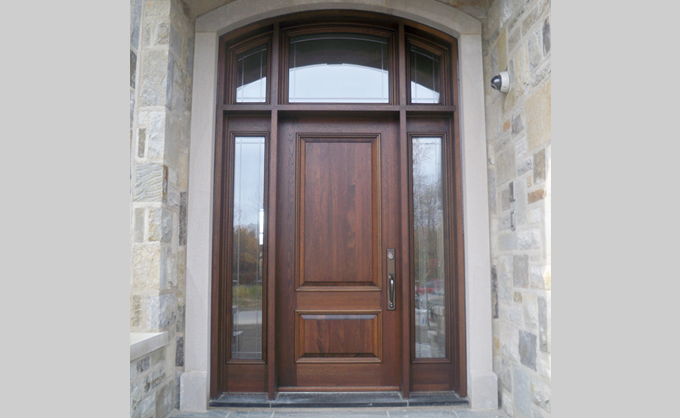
(335, 63)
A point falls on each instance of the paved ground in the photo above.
(413, 412)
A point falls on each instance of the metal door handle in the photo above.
(391, 292)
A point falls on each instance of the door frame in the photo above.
(481, 381)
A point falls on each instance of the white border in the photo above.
(482, 381)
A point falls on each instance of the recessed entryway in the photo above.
(196, 380)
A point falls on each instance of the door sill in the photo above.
(336, 400)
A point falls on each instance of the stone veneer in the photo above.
(517, 39)
(151, 386)
(161, 55)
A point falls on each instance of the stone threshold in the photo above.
(336, 400)
(142, 343)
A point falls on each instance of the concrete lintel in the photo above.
(239, 13)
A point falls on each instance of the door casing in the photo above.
(268, 117)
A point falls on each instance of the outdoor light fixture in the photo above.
(501, 82)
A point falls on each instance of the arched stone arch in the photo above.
(482, 382)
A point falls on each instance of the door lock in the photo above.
(391, 280)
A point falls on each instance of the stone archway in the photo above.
(482, 382)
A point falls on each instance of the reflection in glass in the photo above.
(251, 75)
(424, 76)
(338, 68)
(428, 255)
(247, 247)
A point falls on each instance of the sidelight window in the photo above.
(428, 248)
(247, 247)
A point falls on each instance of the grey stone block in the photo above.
(145, 407)
(156, 140)
(161, 311)
(135, 16)
(517, 124)
(543, 325)
(166, 225)
(521, 392)
(141, 143)
(154, 379)
(505, 165)
(154, 216)
(164, 400)
(179, 352)
(539, 166)
(505, 199)
(148, 182)
(143, 365)
(505, 277)
(153, 78)
(506, 375)
(139, 225)
(520, 271)
(507, 242)
(540, 395)
(528, 240)
(524, 166)
(527, 349)
(546, 36)
(535, 49)
(182, 218)
(133, 68)
(530, 307)
(180, 319)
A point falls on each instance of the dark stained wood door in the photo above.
(337, 215)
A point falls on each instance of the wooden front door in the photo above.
(338, 206)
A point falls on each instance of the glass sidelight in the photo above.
(247, 248)
(428, 248)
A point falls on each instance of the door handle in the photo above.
(391, 292)
(391, 281)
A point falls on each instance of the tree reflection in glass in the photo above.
(428, 237)
(247, 248)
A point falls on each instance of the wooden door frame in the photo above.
(400, 34)
(481, 380)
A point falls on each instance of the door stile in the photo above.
(218, 245)
(271, 219)
(271, 258)
(404, 277)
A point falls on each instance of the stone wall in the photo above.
(161, 77)
(517, 39)
(151, 389)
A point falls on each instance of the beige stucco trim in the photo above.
(482, 387)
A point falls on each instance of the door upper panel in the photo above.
(339, 211)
